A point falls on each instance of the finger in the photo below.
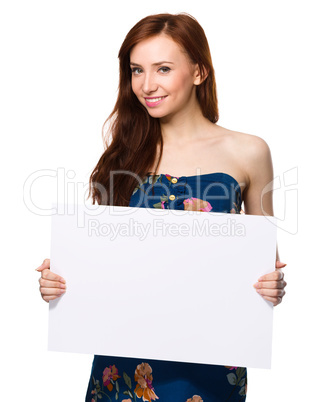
(271, 292)
(44, 283)
(273, 276)
(48, 298)
(270, 285)
(51, 276)
(274, 300)
(44, 265)
(52, 291)
(280, 264)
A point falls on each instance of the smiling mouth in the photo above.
(152, 100)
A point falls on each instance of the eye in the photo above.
(136, 70)
(164, 69)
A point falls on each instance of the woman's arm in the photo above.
(258, 200)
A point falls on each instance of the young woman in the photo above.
(168, 152)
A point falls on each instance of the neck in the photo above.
(184, 126)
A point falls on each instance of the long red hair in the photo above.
(135, 134)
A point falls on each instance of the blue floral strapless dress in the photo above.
(134, 380)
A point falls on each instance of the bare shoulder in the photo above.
(254, 152)
(253, 146)
(248, 157)
(248, 144)
(250, 150)
(254, 157)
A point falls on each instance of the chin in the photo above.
(157, 114)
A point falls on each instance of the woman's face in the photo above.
(163, 78)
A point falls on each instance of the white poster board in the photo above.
(162, 284)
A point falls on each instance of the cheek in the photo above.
(135, 85)
(182, 85)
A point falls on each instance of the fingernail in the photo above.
(256, 285)
(258, 290)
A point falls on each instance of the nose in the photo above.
(149, 84)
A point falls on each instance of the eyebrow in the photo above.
(154, 64)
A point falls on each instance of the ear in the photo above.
(197, 75)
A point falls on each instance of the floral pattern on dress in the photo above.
(190, 204)
(195, 398)
(147, 179)
(237, 205)
(110, 379)
(238, 380)
(196, 204)
(144, 388)
(110, 375)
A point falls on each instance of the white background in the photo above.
(59, 77)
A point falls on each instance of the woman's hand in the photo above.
(52, 285)
(271, 286)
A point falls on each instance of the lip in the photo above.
(152, 104)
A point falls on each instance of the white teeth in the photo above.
(155, 99)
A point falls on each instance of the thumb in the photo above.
(44, 265)
(280, 264)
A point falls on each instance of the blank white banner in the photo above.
(162, 284)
